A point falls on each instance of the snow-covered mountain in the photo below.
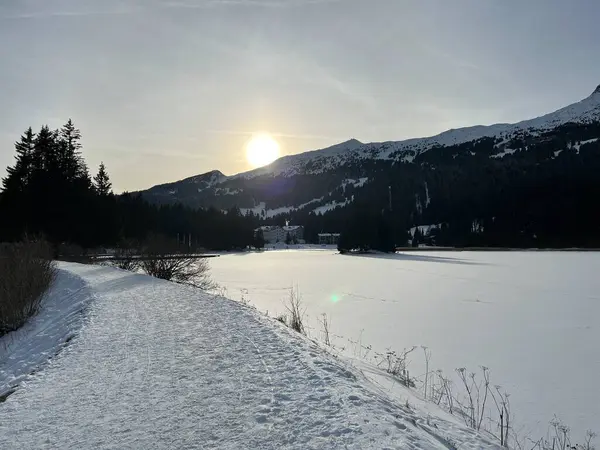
(319, 179)
(585, 111)
(191, 186)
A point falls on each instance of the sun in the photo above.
(261, 150)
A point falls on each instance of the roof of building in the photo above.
(268, 228)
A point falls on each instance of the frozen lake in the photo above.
(531, 317)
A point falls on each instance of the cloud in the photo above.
(137, 152)
(56, 14)
(256, 3)
(128, 8)
(275, 134)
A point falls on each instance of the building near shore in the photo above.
(329, 238)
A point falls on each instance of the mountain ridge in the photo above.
(429, 178)
(586, 110)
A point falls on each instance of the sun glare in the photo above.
(261, 150)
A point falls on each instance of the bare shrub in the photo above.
(427, 354)
(326, 324)
(443, 392)
(477, 391)
(163, 258)
(126, 257)
(559, 438)
(397, 365)
(26, 272)
(295, 319)
(502, 401)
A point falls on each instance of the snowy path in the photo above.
(159, 365)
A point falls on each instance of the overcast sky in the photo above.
(163, 89)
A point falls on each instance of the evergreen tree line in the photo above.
(48, 191)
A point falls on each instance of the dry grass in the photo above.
(26, 272)
(296, 312)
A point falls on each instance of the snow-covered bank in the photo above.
(61, 315)
(158, 365)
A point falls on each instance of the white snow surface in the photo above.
(260, 208)
(331, 206)
(356, 183)
(503, 153)
(518, 313)
(158, 365)
(424, 229)
(578, 146)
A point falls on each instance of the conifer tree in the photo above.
(102, 182)
(20, 174)
(44, 156)
(72, 164)
(259, 239)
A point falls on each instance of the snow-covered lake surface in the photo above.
(533, 318)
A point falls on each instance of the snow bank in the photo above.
(61, 315)
(160, 365)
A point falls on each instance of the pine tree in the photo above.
(259, 239)
(102, 182)
(71, 162)
(44, 155)
(20, 174)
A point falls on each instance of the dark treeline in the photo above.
(49, 191)
(543, 193)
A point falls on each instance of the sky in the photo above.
(166, 89)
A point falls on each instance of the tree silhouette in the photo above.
(102, 182)
(259, 239)
(69, 155)
(20, 174)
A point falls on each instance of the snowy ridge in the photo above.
(215, 189)
(200, 182)
(209, 179)
(318, 161)
(152, 369)
(287, 165)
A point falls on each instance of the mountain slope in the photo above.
(429, 177)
